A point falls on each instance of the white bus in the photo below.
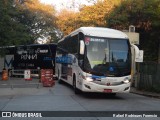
(94, 59)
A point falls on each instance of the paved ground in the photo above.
(32, 96)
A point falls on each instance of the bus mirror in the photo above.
(136, 49)
(82, 46)
(138, 54)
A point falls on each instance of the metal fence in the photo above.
(20, 73)
(16, 79)
(149, 76)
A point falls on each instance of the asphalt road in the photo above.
(61, 97)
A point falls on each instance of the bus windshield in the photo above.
(107, 57)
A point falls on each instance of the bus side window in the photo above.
(58, 50)
(74, 44)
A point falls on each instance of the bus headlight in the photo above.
(126, 80)
(89, 79)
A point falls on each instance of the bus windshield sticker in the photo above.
(97, 40)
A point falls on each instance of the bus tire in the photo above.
(76, 90)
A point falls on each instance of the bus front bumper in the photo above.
(93, 87)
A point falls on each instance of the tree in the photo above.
(145, 15)
(93, 15)
(23, 22)
(66, 21)
(12, 32)
(39, 18)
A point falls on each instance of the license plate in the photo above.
(107, 90)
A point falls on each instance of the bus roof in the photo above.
(36, 44)
(7, 46)
(30, 45)
(100, 32)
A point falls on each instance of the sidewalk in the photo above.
(145, 93)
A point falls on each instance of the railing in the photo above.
(20, 81)
(20, 72)
(149, 76)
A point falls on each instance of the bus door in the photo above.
(64, 71)
(66, 67)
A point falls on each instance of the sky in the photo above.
(60, 4)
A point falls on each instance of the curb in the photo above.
(144, 93)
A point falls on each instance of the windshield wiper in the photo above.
(116, 64)
(119, 70)
(105, 59)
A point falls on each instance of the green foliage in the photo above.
(39, 18)
(145, 16)
(119, 14)
(23, 22)
(12, 32)
(93, 15)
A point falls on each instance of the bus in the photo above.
(95, 59)
(34, 57)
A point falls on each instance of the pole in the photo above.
(159, 54)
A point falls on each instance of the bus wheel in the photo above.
(76, 91)
(59, 79)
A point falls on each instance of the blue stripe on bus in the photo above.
(97, 77)
(64, 59)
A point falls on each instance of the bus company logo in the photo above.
(29, 57)
(43, 51)
(111, 69)
(6, 114)
(87, 40)
(108, 83)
